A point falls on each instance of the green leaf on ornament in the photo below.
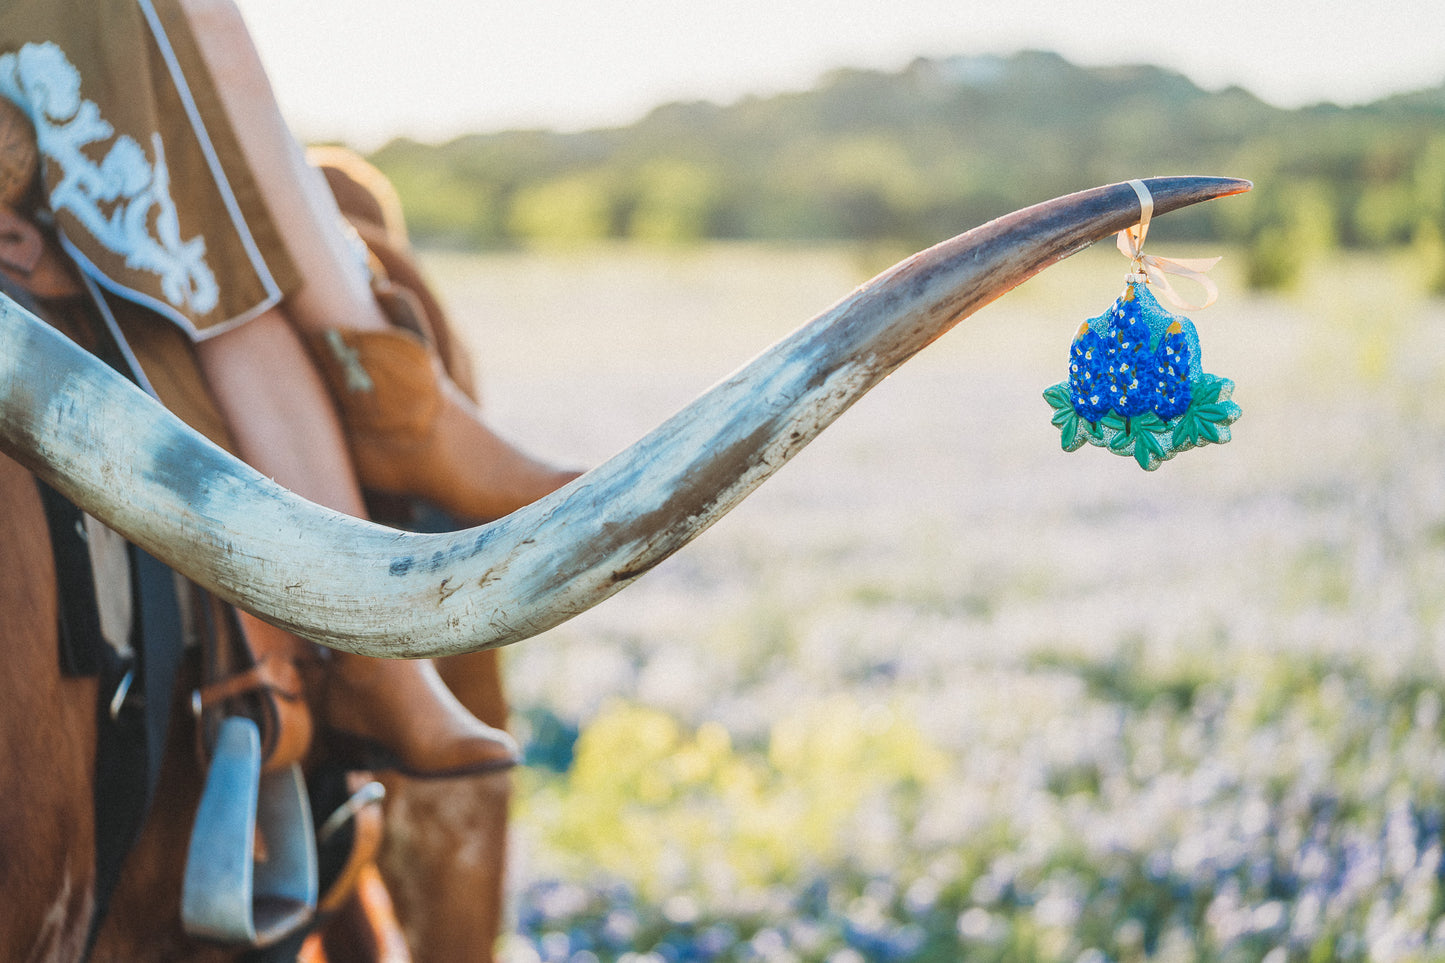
(1185, 434)
(1205, 390)
(1071, 434)
(1218, 413)
(1148, 421)
(1121, 442)
(1058, 397)
(1148, 451)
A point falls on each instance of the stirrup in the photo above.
(230, 894)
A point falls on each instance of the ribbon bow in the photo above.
(1155, 269)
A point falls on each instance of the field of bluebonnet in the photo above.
(941, 691)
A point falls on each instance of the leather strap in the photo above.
(271, 674)
(248, 668)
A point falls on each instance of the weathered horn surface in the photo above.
(354, 585)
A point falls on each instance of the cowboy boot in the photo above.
(398, 715)
(412, 431)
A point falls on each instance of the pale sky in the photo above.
(366, 70)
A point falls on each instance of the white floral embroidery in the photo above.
(115, 199)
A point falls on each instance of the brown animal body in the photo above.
(47, 747)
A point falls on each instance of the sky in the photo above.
(363, 71)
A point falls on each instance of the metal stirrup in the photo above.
(229, 894)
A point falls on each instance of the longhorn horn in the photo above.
(361, 587)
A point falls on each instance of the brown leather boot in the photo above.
(396, 714)
(412, 431)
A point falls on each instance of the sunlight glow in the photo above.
(366, 70)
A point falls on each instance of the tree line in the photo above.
(914, 156)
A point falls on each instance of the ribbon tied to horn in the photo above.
(1156, 269)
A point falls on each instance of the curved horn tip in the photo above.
(1172, 193)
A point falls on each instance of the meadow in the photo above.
(941, 691)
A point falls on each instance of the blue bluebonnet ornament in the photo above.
(1135, 384)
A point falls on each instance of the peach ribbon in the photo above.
(1156, 269)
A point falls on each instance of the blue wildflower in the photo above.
(1131, 362)
(1171, 374)
(1121, 363)
(1088, 378)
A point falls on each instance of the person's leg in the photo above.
(279, 411)
(438, 448)
(284, 425)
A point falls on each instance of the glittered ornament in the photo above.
(1135, 384)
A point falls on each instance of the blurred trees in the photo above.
(916, 156)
